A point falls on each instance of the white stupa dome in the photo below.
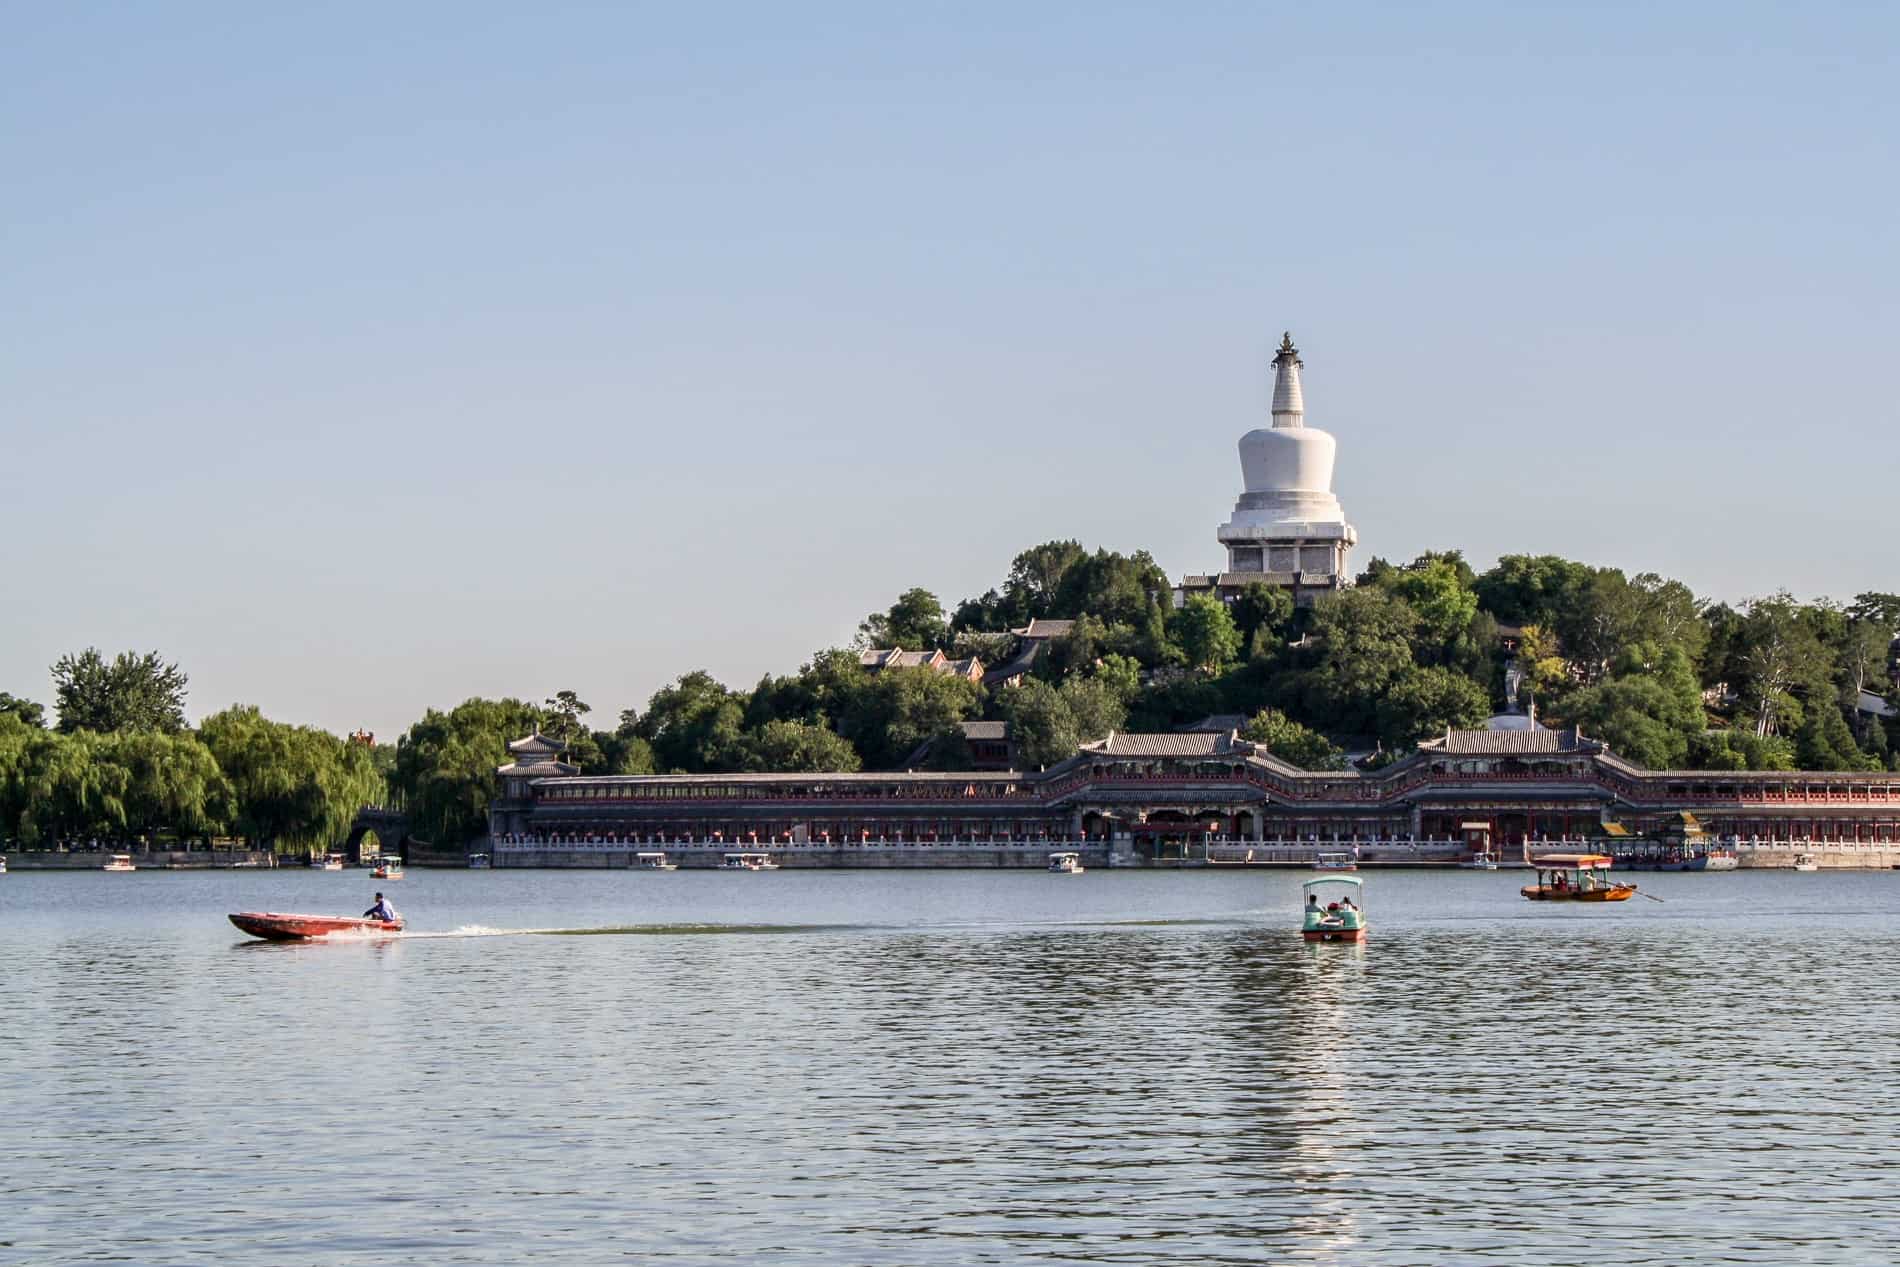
(1287, 469)
(1287, 459)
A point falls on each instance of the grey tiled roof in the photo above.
(1201, 745)
(538, 769)
(537, 743)
(1040, 628)
(996, 730)
(1504, 742)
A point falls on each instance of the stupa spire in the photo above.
(1289, 407)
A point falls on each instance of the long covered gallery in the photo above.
(1159, 795)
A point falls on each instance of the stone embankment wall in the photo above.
(1830, 857)
(809, 857)
(151, 860)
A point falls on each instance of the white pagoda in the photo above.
(1287, 528)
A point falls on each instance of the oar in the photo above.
(1652, 897)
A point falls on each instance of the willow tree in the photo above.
(291, 786)
(172, 783)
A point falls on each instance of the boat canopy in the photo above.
(1353, 880)
(1573, 862)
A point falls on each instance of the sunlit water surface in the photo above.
(951, 1067)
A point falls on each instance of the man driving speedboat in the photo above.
(382, 910)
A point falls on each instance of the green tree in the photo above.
(70, 790)
(914, 622)
(1363, 638)
(564, 713)
(822, 690)
(1434, 587)
(620, 751)
(1423, 701)
(18, 741)
(1116, 589)
(1073, 652)
(1094, 707)
(1120, 674)
(1292, 742)
(1739, 750)
(294, 786)
(1825, 743)
(1616, 614)
(798, 746)
(901, 708)
(24, 709)
(1649, 710)
(1727, 645)
(172, 782)
(1546, 675)
(1876, 608)
(1260, 611)
(446, 763)
(1036, 576)
(1782, 655)
(1206, 634)
(1668, 614)
(1042, 723)
(1533, 589)
(132, 692)
(694, 725)
(1862, 655)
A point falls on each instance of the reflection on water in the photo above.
(952, 1068)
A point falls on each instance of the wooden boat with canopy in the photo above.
(1339, 919)
(1576, 877)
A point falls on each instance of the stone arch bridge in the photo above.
(391, 826)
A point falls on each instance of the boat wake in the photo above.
(633, 930)
(763, 930)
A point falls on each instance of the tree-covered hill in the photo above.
(1666, 678)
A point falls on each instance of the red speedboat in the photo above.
(277, 926)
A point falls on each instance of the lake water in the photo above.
(950, 1067)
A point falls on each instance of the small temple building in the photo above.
(1287, 527)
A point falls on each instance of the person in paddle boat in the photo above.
(382, 910)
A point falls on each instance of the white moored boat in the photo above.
(748, 862)
(654, 860)
(1066, 863)
(1806, 862)
(120, 862)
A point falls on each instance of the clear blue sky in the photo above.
(369, 357)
